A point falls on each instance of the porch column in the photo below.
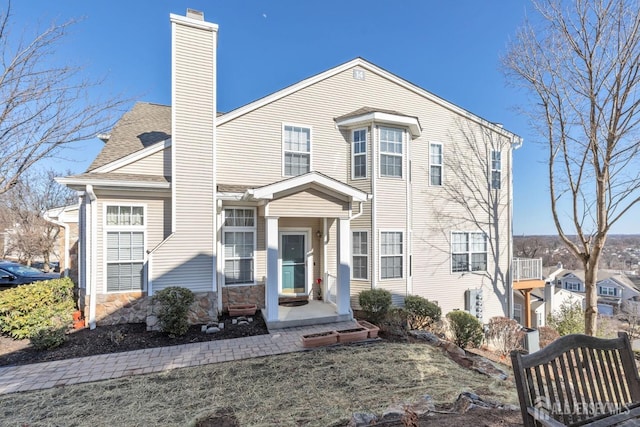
(271, 285)
(344, 267)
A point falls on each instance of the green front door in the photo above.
(294, 266)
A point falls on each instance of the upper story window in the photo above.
(572, 286)
(125, 241)
(391, 258)
(608, 291)
(468, 252)
(359, 154)
(496, 169)
(391, 152)
(435, 163)
(296, 150)
(239, 241)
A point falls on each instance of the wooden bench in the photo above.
(579, 380)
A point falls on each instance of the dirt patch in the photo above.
(119, 338)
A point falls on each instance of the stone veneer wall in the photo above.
(243, 295)
(136, 307)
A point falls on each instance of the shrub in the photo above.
(46, 339)
(174, 308)
(466, 329)
(394, 321)
(547, 335)
(504, 334)
(26, 309)
(421, 313)
(375, 303)
(568, 319)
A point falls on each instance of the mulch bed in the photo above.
(119, 338)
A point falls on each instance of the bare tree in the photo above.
(581, 65)
(23, 208)
(46, 103)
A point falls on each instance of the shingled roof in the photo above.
(144, 125)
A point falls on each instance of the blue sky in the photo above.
(450, 48)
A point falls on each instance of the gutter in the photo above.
(94, 250)
(47, 218)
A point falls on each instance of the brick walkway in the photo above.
(107, 366)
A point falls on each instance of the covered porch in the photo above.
(307, 237)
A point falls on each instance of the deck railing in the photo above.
(527, 269)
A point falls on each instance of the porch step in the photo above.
(281, 324)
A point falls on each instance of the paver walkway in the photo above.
(44, 375)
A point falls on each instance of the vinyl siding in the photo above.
(187, 258)
(256, 139)
(309, 203)
(156, 164)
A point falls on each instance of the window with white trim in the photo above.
(360, 255)
(125, 241)
(468, 252)
(239, 232)
(496, 169)
(611, 291)
(391, 257)
(435, 163)
(517, 312)
(296, 150)
(572, 286)
(359, 153)
(391, 152)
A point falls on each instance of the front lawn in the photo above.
(315, 388)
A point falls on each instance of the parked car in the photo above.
(13, 274)
(53, 266)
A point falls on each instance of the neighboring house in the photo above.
(66, 217)
(613, 288)
(343, 180)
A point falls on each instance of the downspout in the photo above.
(374, 230)
(92, 257)
(516, 142)
(47, 218)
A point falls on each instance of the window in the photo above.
(359, 160)
(239, 230)
(297, 150)
(391, 255)
(435, 164)
(125, 238)
(390, 152)
(572, 286)
(360, 254)
(496, 169)
(608, 291)
(517, 313)
(468, 252)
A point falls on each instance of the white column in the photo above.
(344, 266)
(271, 286)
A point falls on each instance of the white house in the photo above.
(351, 179)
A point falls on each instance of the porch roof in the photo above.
(333, 185)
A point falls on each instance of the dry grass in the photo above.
(315, 388)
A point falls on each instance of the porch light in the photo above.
(319, 234)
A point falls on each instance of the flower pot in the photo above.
(351, 335)
(371, 328)
(77, 315)
(78, 324)
(242, 309)
(319, 339)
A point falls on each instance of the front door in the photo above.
(293, 252)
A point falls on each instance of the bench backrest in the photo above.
(576, 378)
